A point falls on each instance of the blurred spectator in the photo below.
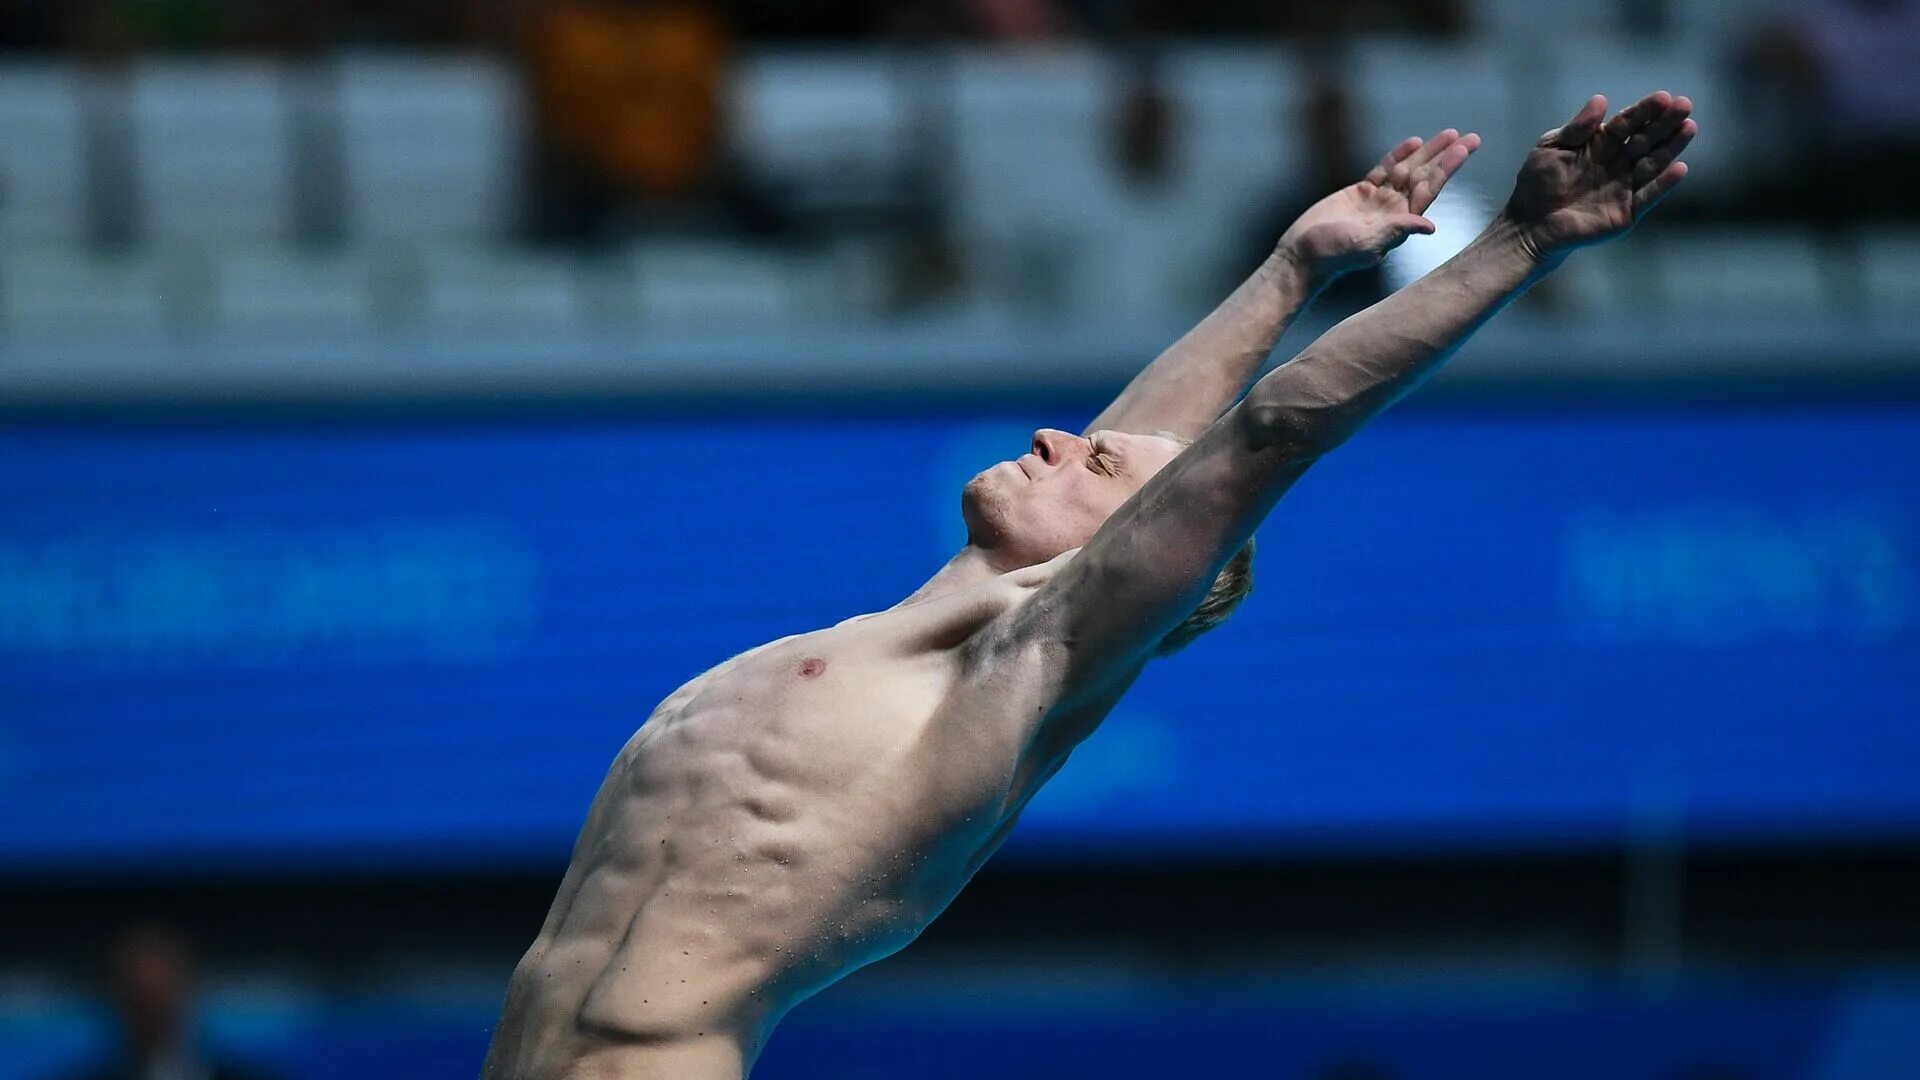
(1153, 244)
(1334, 159)
(630, 96)
(1144, 136)
(151, 979)
(1017, 20)
(1846, 72)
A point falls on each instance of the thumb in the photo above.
(1413, 223)
(1582, 127)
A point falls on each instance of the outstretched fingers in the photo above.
(1659, 131)
(1403, 175)
(1433, 148)
(1427, 185)
(1400, 153)
(1637, 116)
(1646, 196)
(1655, 161)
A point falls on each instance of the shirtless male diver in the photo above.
(808, 807)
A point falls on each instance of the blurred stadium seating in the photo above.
(370, 160)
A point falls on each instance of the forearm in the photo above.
(1356, 370)
(1201, 375)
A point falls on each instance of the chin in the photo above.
(1003, 518)
(983, 507)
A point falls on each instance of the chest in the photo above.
(811, 708)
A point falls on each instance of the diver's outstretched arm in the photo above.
(1200, 376)
(1092, 624)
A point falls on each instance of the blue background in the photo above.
(1523, 1030)
(249, 641)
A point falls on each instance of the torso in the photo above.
(793, 814)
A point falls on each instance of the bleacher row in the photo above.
(55, 294)
(220, 151)
(376, 192)
(59, 294)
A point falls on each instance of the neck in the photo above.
(971, 566)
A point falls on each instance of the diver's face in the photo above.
(1055, 497)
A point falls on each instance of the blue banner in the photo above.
(244, 642)
(1113, 1025)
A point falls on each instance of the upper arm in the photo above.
(1101, 616)
(1188, 423)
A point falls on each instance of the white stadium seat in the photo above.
(1755, 273)
(1032, 148)
(1054, 224)
(60, 293)
(1239, 123)
(477, 291)
(213, 151)
(1601, 281)
(1528, 22)
(829, 130)
(692, 285)
(1031, 135)
(1890, 272)
(429, 148)
(1404, 87)
(274, 291)
(1716, 23)
(43, 155)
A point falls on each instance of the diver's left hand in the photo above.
(1592, 178)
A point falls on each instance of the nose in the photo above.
(1051, 445)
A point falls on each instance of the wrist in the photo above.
(1291, 271)
(1524, 242)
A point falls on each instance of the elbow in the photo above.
(1298, 426)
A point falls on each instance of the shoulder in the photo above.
(1021, 663)
(1020, 652)
(1012, 625)
(957, 624)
